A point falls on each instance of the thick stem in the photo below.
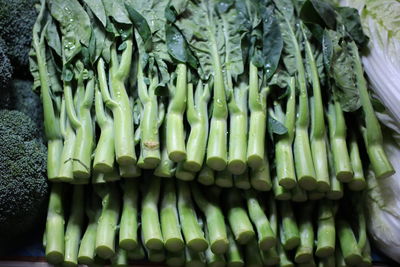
(183, 174)
(197, 115)
(87, 252)
(212, 259)
(166, 167)
(74, 229)
(194, 236)
(215, 221)
(104, 156)
(289, 232)
(54, 151)
(151, 228)
(303, 159)
(252, 254)
(194, 258)
(242, 181)
(130, 171)
(155, 255)
(299, 194)
(336, 190)
(238, 218)
(174, 119)
(348, 243)
(326, 230)
(224, 179)
(337, 133)
(284, 257)
(304, 252)
(120, 259)
(55, 225)
(270, 257)
(280, 192)
(206, 176)
(173, 240)
(238, 130)
(108, 221)
(176, 259)
(358, 183)
(234, 255)
(260, 179)
(128, 237)
(265, 235)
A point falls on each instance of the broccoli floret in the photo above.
(25, 100)
(16, 22)
(6, 69)
(23, 183)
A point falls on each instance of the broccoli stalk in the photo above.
(174, 119)
(128, 228)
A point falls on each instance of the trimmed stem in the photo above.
(166, 167)
(260, 179)
(358, 183)
(183, 174)
(326, 230)
(304, 252)
(224, 179)
(128, 237)
(280, 192)
(206, 176)
(348, 243)
(242, 181)
(289, 232)
(234, 255)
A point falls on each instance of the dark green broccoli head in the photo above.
(16, 22)
(25, 100)
(19, 123)
(6, 69)
(23, 183)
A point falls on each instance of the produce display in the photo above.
(197, 132)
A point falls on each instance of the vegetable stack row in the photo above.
(181, 223)
(247, 93)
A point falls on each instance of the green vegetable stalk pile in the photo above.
(265, 100)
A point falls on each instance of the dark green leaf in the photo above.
(171, 14)
(276, 126)
(316, 30)
(67, 74)
(272, 42)
(97, 7)
(351, 20)
(141, 26)
(116, 10)
(318, 12)
(327, 48)
(53, 38)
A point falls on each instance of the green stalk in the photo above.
(130, 171)
(151, 228)
(84, 142)
(138, 253)
(258, 120)
(302, 152)
(175, 135)
(197, 116)
(194, 236)
(206, 176)
(194, 258)
(270, 257)
(336, 190)
(283, 148)
(304, 253)
(104, 156)
(358, 183)
(217, 141)
(237, 216)
(315, 195)
(155, 255)
(166, 167)
(234, 255)
(175, 259)
(242, 181)
(108, 221)
(212, 259)
(339, 258)
(299, 194)
(120, 259)
(280, 192)
(348, 243)
(366, 254)
(153, 115)
(119, 103)
(311, 263)
(238, 130)
(101, 178)
(170, 226)
(65, 167)
(50, 111)
(252, 254)
(326, 235)
(327, 262)
(215, 221)
(55, 225)
(128, 237)
(265, 235)
(73, 232)
(260, 179)
(337, 135)
(372, 131)
(289, 232)
(284, 257)
(183, 174)
(318, 146)
(224, 179)
(86, 254)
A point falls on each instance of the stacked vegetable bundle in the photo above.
(184, 223)
(237, 94)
